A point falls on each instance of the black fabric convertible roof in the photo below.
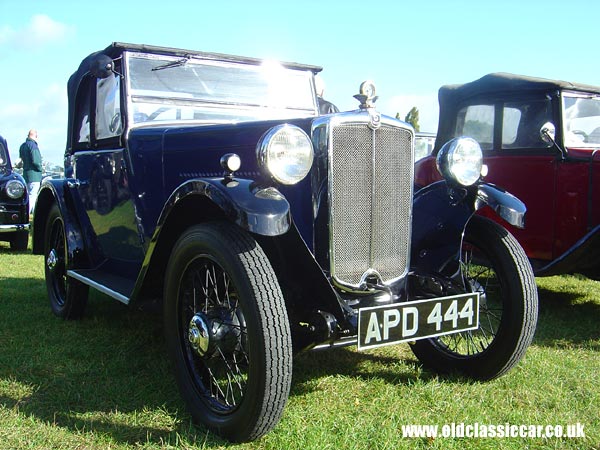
(116, 49)
(502, 82)
(450, 97)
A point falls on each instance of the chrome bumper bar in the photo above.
(14, 227)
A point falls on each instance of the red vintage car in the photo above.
(540, 140)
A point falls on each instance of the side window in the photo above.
(81, 126)
(511, 117)
(477, 121)
(522, 123)
(108, 107)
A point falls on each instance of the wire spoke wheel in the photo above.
(227, 331)
(493, 264)
(221, 369)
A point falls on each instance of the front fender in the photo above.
(259, 210)
(438, 224)
(506, 205)
(59, 192)
(440, 215)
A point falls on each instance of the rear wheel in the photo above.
(227, 331)
(68, 297)
(493, 264)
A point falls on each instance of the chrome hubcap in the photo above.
(198, 334)
(52, 259)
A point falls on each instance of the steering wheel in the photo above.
(581, 133)
(159, 111)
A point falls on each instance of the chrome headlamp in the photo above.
(460, 160)
(286, 152)
(15, 189)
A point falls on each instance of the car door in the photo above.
(100, 165)
(519, 161)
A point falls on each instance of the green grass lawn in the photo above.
(104, 382)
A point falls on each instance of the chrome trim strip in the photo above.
(93, 152)
(14, 227)
(98, 287)
(373, 211)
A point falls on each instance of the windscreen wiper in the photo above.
(180, 62)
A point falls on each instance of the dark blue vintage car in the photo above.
(14, 203)
(211, 183)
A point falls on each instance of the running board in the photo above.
(122, 287)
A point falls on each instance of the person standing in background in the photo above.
(29, 152)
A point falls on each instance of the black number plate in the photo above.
(410, 321)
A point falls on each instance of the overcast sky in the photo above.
(409, 49)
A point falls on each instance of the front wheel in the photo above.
(493, 264)
(227, 331)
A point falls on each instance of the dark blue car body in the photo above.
(141, 171)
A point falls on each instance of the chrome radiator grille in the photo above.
(371, 201)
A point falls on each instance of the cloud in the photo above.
(35, 99)
(6, 34)
(39, 32)
(47, 113)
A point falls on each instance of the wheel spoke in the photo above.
(234, 376)
(205, 292)
(215, 387)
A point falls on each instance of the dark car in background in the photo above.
(211, 184)
(14, 203)
(540, 140)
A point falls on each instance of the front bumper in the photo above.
(13, 216)
(14, 227)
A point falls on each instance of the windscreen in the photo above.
(164, 88)
(581, 119)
